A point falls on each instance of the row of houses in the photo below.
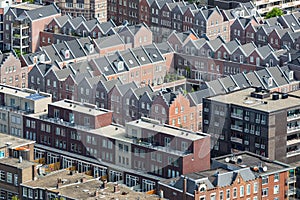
(180, 16)
(279, 32)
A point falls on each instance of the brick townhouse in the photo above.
(241, 176)
(11, 72)
(219, 58)
(83, 132)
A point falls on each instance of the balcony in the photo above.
(15, 109)
(293, 141)
(293, 117)
(293, 129)
(237, 116)
(257, 145)
(64, 123)
(237, 128)
(291, 192)
(293, 153)
(291, 179)
(236, 140)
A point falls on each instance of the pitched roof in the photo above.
(44, 11)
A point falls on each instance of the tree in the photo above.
(274, 13)
(15, 198)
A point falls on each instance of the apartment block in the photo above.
(91, 9)
(263, 7)
(16, 166)
(15, 103)
(23, 23)
(255, 120)
(84, 132)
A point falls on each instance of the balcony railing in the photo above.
(293, 141)
(293, 117)
(15, 109)
(291, 179)
(237, 128)
(64, 123)
(293, 129)
(236, 139)
(236, 115)
(291, 192)
(293, 153)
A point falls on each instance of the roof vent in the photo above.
(40, 14)
(284, 96)
(239, 159)
(275, 96)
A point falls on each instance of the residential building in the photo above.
(86, 134)
(23, 23)
(53, 186)
(242, 176)
(91, 9)
(15, 103)
(11, 72)
(263, 7)
(16, 166)
(254, 120)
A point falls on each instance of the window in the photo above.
(234, 192)
(248, 189)
(221, 195)
(9, 177)
(228, 194)
(276, 189)
(276, 177)
(242, 191)
(2, 175)
(16, 182)
(265, 180)
(255, 187)
(265, 192)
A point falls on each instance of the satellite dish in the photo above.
(265, 168)
(227, 160)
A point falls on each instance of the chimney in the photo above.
(96, 193)
(20, 159)
(184, 187)
(104, 185)
(83, 179)
(116, 188)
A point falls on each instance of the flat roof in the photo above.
(88, 109)
(243, 98)
(23, 93)
(14, 162)
(26, 6)
(50, 180)
(88, 189)
(170, 130)
(251, 160)
(112, 131)
(12, 141)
